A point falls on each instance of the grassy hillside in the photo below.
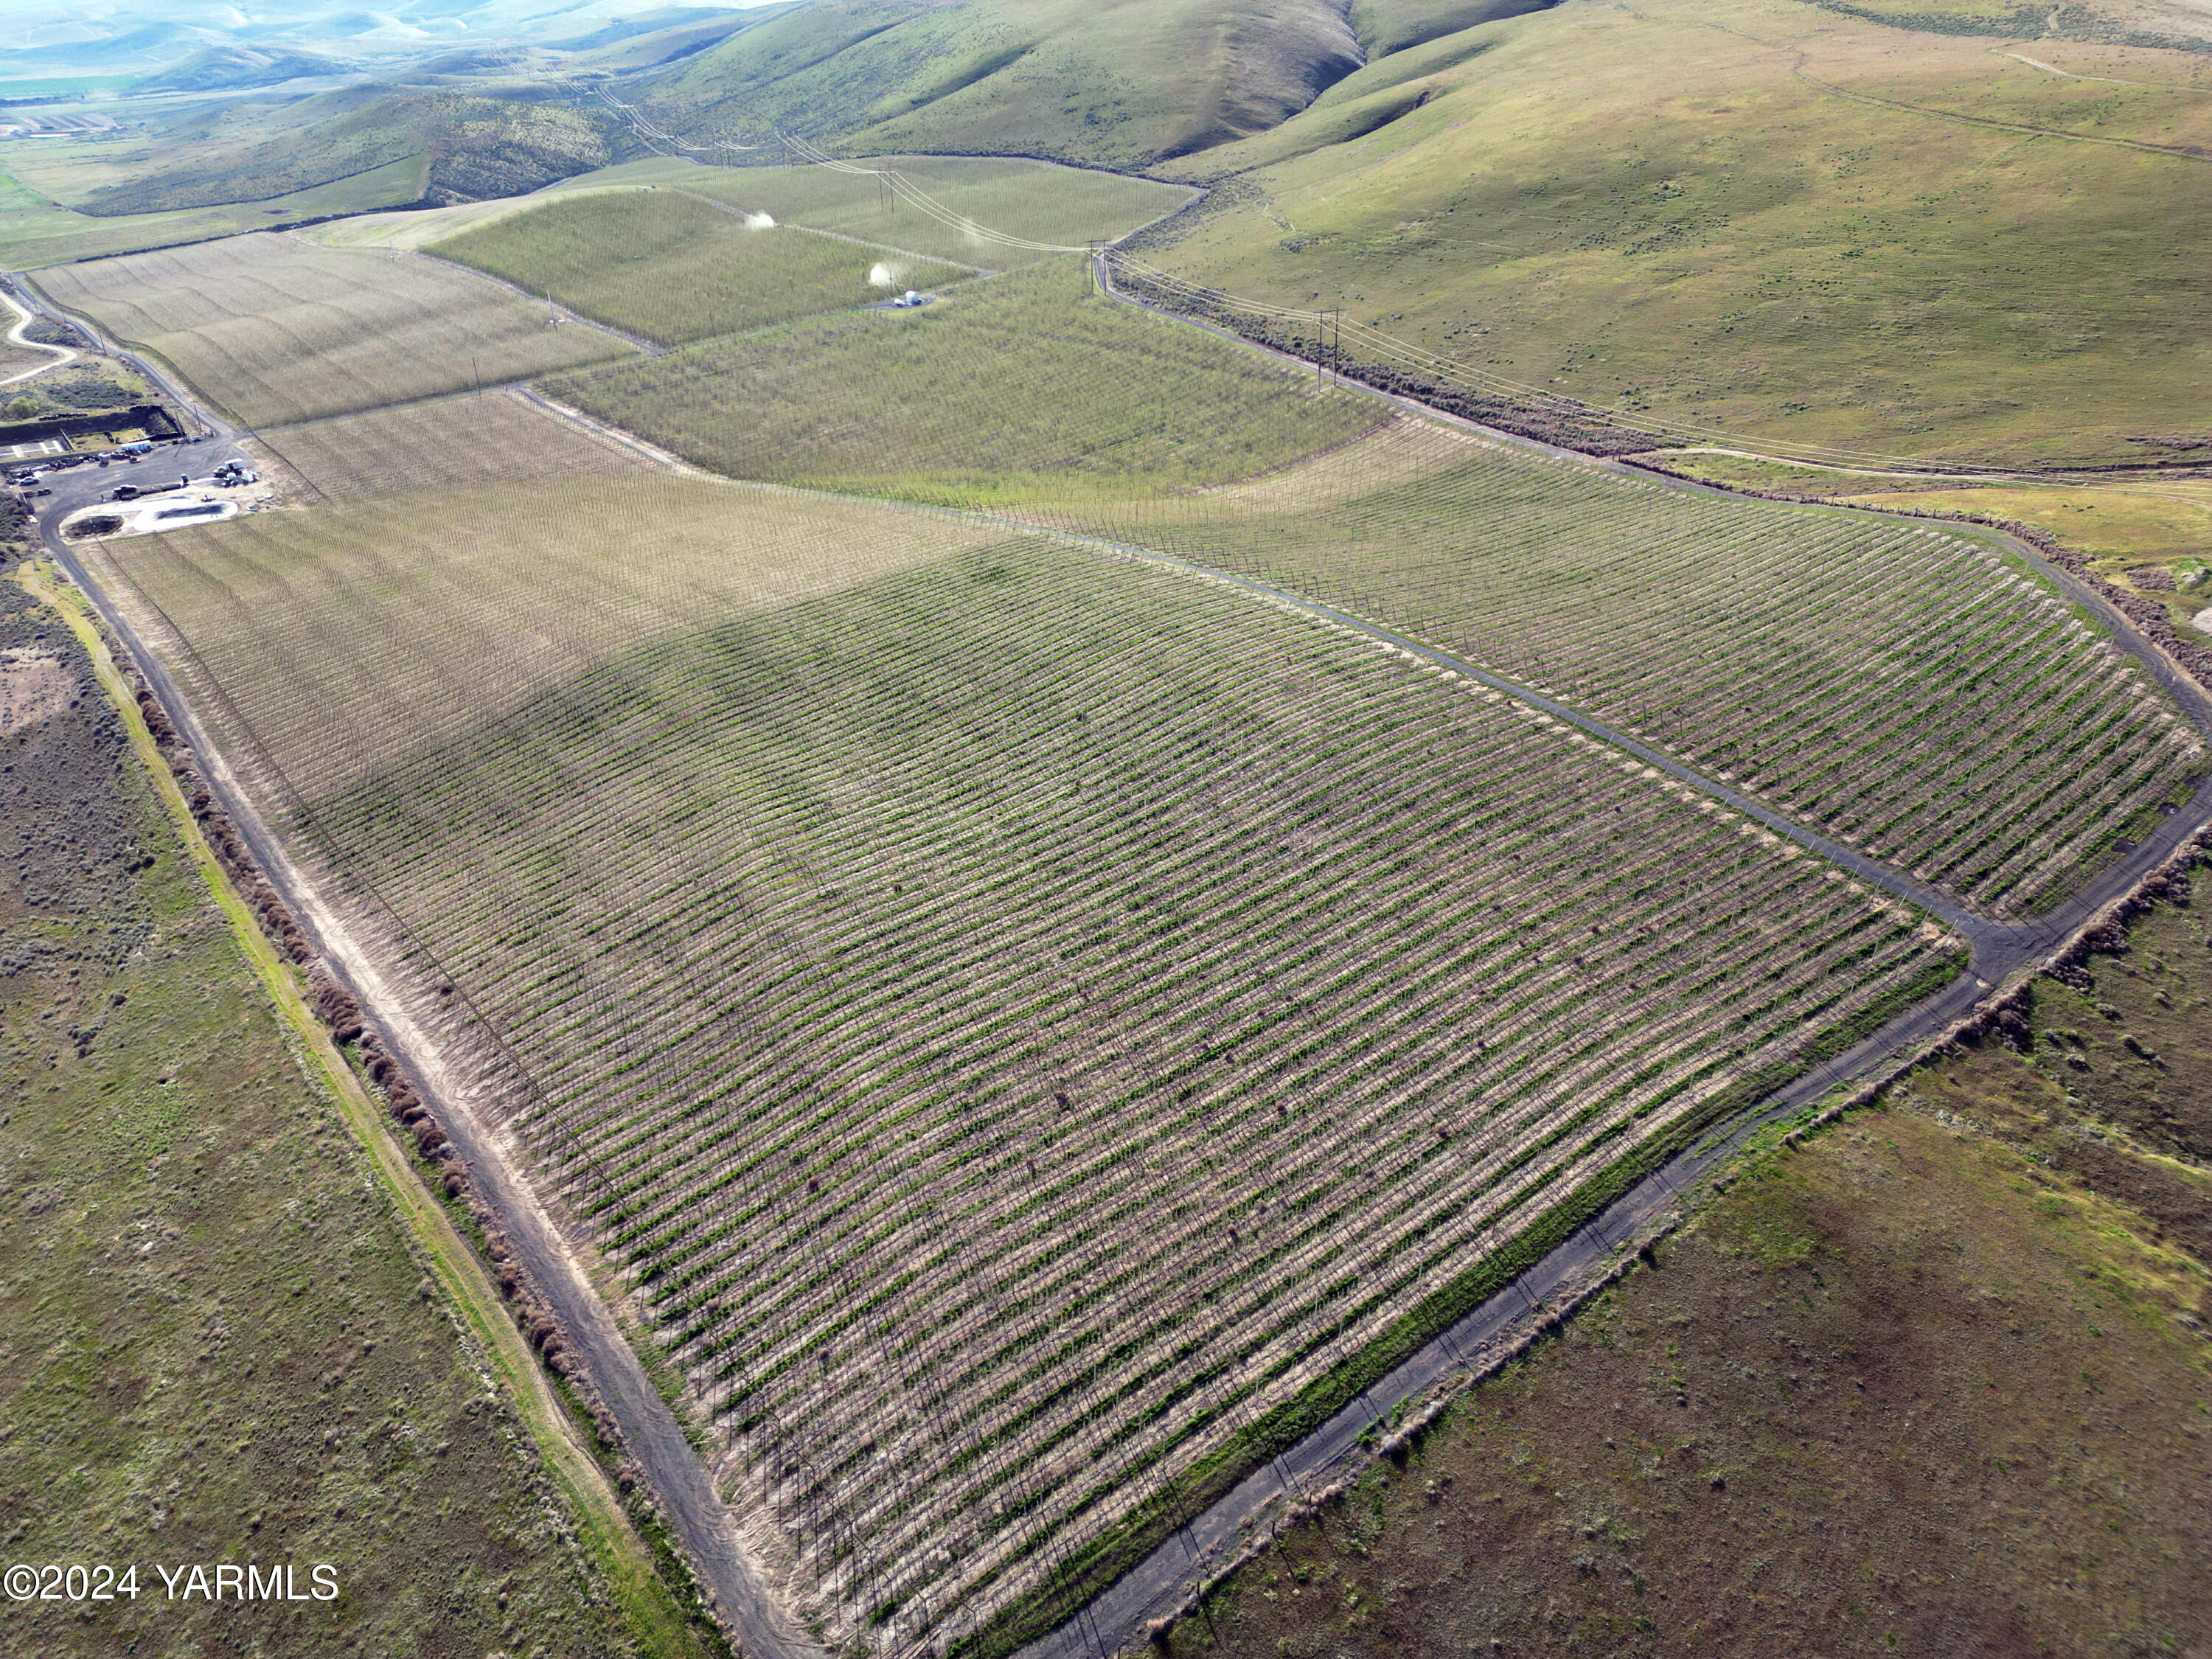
(1758, 216)
(215, 1341)
(691, 29)
(1115, 83)
(675, 267)
(1024, 384)
(228, 67)
(2129, 23)
(1924, 1387)
(276, 330)
(478, 146)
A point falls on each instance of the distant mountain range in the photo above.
(201, 45)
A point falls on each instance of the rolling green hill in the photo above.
(477, 146)
(1115, 83)
(1758, 218)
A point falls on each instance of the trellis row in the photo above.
(1894, 686)
(1345, 970)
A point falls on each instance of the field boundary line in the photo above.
(610, 1537)
(653, 452)
(2184, 152)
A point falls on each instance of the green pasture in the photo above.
(1754, 217)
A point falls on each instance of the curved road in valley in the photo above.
(1999, 951)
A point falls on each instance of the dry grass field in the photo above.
(274, 329)
(853, 883)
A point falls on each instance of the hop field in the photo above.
(276, 330)
(1029, 383)
(673, 266)
(1906, 690)
(1030, 1021)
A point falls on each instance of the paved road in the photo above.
(1998, 950)
(56, 354)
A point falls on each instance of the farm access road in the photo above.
(24, 317)
(2000, 951)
